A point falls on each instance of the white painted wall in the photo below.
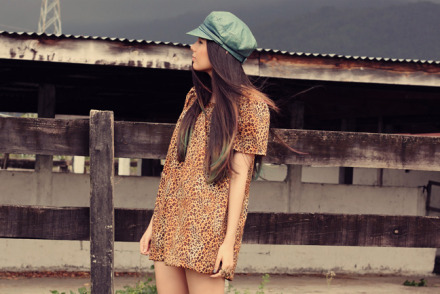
(78, 164)
(394, 177)
(26, 255)
(124, 166)
(354, 199)
(321, 175)
(139, 192)
(273, 172)
(368, 176)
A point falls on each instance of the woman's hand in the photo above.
(225, 256)
(145, 241)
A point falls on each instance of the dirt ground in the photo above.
(285, 284)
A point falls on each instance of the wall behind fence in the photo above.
(140, 192)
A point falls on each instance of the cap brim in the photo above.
(199, 33)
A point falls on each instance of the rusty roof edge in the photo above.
(275, 51)
(80, 37)
(349, 57)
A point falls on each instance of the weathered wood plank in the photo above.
(342, 69)
(142, 140)
(324, 148)
(150, 140)
(130, 224)
(342, 230)
(261, 228)
(39, 222)
(102, 223)
(44, 163)
(349, 149)
(44, 136)
(88, 51)
(46, 109)
(264, 63)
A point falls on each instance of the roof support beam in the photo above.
(264, 63)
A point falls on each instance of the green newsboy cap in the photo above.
(230, 32)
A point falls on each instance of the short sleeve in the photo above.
(253, 127)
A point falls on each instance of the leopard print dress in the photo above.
(190, 215)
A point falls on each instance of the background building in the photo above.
(66, 76)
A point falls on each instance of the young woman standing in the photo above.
(195, 233)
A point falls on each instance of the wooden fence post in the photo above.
(102, 234)
(44, 163)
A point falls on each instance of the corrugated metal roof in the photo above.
(349, 57)
(113, 39)
(275, 51)
(177, 56)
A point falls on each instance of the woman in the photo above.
(196, 229)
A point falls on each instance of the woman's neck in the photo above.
(212, 100)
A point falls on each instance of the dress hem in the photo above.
(186, 267)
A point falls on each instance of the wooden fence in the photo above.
(102, 139)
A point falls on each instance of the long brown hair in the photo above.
(228, 84)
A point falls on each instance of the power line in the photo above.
(50, 17)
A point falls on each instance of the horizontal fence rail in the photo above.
(150, 140)
(103, 139)
(72, 223)
(44, 136)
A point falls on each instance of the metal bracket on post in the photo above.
(102, 234)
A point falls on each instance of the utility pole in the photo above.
(50, 17)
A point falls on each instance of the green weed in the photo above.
(264, 280)
(329, 277)
(140, 288)
(413, 283)
(82, 290)
(145, 287)
(148, 287)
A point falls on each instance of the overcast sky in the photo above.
(146, 19)
(24, 14)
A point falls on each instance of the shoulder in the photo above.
(191, 92)
(253, 125)
(251, 104)
(190, 98)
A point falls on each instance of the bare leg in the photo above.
(170, 279)
(203, 283)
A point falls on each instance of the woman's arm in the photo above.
(144, 243)
(241, 163)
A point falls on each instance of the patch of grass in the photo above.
(422, 283)
(264, 280)
(329, 277)
(148, 287)
(140, 288)
(81, 290)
